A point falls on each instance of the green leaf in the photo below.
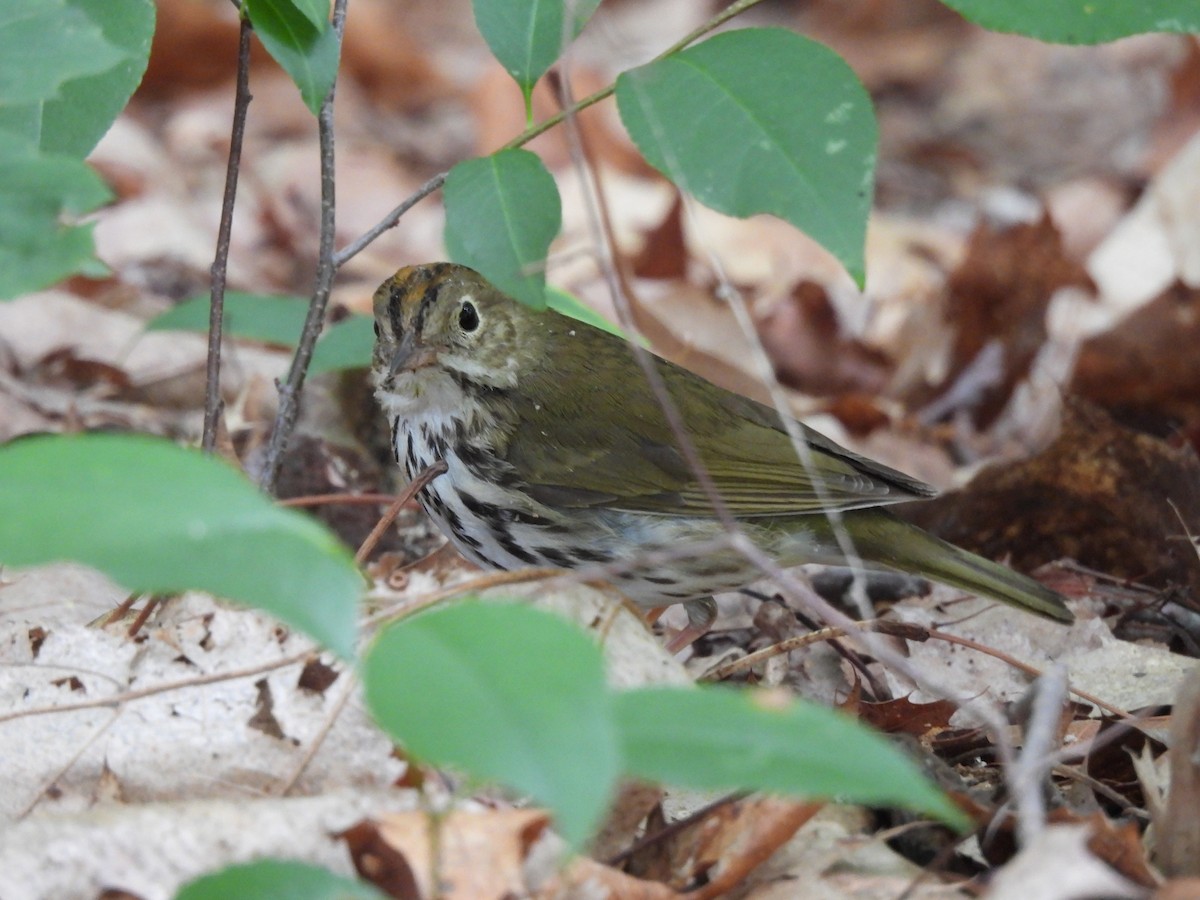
(316, 11)
(252, 317)
(74, 122)
(346, 345)
(527, 36)
(277, 320)
(502, 212)
(22, 123)
(307, 52)
(39, 195)
(1081, 21)
(505, 693)
(275, 879)
(716, 738)
(762, 121)
(44, 43)
(158, 517)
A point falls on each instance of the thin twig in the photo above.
(599, 575)
(482, 583)
(392, 218)
(389, 221)
(880, 626)
(152, 690)
(573, 108)
(908, 632)
(66, 767)
(738, 540)
(314, 745)
(1031, 771)
(335, 499)
(385, 522)
(1074, 773)
(329, 262)
(675, 827)
(289, 392)
(122, 609)
(621, 291)
(788, 584)
(1032, 671)
(875, 683)
(153, 601)
(216, 309)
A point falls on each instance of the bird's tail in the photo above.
(882, 538)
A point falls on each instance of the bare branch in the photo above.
(393, 217)
(1028, 775)
(117, 700)
(216, 310)
(423, 478)
(286, 786)
(289, 392)
(391, 220)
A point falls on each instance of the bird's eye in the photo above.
(376, 324)
(468, 316)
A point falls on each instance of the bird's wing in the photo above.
(597, 437)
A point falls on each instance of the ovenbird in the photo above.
(559, 455)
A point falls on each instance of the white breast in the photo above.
(463, 504)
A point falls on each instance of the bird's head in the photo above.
(441, 329)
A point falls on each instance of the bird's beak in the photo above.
(410, 356)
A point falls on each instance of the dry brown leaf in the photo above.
(317, 676)
(902, 716)
(1179, 122)
(723, 847)
(635, 800)
(811, 350)
(651, 860)
(1136, 370)
(727, 854)
(1036, 113)
(1179, 889)
(889, 44)
(66, 368)
(1112, 759)
(380, 862)
(596, 881)
(1154, 245)
(480, 854)
(498, 109)
(194, 45)
(997, 306)
(664, 253)
(264, 716)
(1085, 210)
(1120, 845)
(385, 59)
(1099, 495)
(859, 414)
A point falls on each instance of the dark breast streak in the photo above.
(480, 525)
(480, 505)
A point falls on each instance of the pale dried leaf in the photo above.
(1154, 245)
(481, 855)
(1059, 866)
